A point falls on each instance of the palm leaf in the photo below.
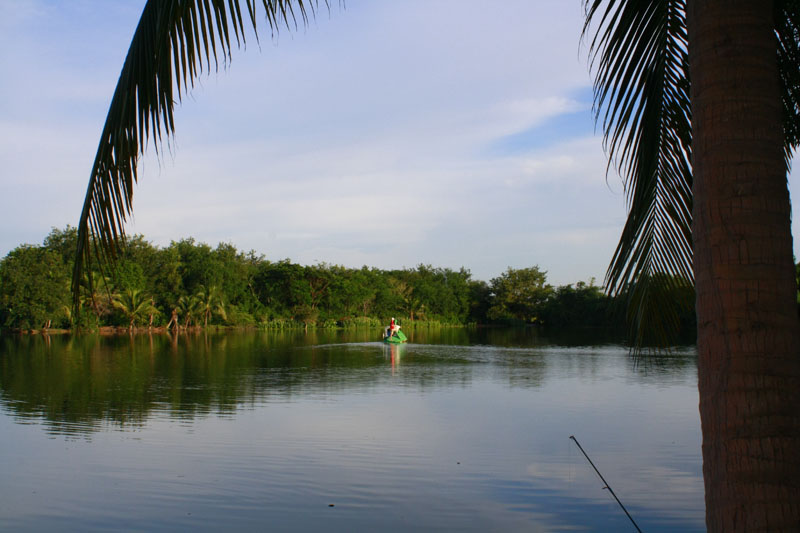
(787, 29)
(641, 93)
(174, 42)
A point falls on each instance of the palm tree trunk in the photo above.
(748, 337)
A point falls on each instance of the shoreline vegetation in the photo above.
(222, 328)
(190, 286)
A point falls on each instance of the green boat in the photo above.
(397, 338)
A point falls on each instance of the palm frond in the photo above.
(641, 94)
(641, 90)
(787, 29)
(174, 42)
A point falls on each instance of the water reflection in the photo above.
(467, 430)
(78, 382)
(395, 351)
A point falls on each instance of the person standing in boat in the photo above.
(392, 329)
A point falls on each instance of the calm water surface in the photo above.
(456, 431)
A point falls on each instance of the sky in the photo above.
(455, 133)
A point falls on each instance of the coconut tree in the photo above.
(96, 294)
(748, 337)
(705, 168)
(135, 305)
(188, 307)
(209, 302)
(699, 106)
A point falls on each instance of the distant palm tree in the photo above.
(209, 302)
(173, 319)
(705, 166)
(135, 305)
(96, 294)
(188, 307)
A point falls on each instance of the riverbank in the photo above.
(283, 325)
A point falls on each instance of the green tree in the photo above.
(165, 279)
(387, 298)
(189, 308)
(280, 287)
(519, 294)
(34, 288)
(348, 293)
(581, 305)
(402, 292)
(135, 305)
(196, 265)
(210, 302)
(480, 295)
(365, 292)
(63, 242)
(306, 314)
(128, 275)
(233, 272)
(97, 295)
(438, 292)
(736, 123)
(319, 278)
(150, 266)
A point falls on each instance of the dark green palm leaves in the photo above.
(642, 94)
(787, 28)
(641, 97)
(173, 43)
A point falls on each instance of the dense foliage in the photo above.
(191, 284)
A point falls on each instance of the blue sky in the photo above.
(388, 134)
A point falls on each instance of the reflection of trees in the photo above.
(79, 383)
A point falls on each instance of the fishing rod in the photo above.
(606, 483)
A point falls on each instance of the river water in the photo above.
(458, 430)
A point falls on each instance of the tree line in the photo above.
(189, 284)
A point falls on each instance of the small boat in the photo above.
(397, 338)
(392, 333)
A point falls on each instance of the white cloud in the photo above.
(369, 137)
